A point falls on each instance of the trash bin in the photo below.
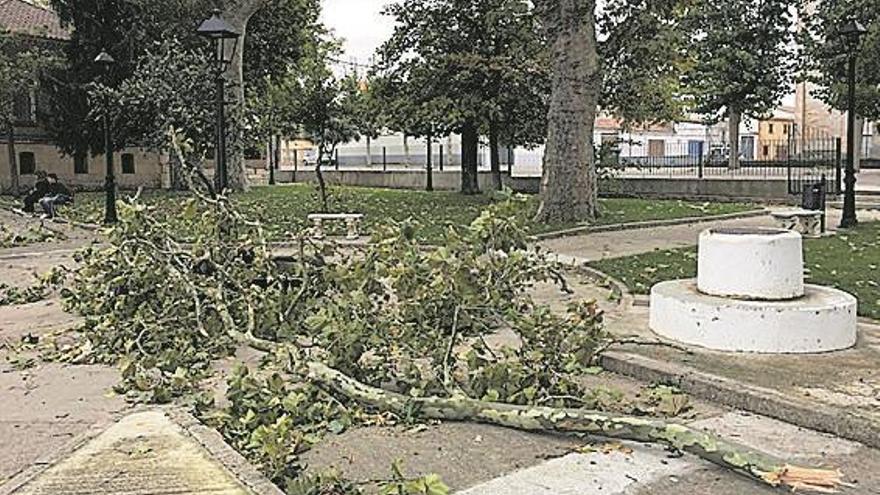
(813, 198)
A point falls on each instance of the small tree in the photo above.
(22, 60)
(324, 106)
(744, 57)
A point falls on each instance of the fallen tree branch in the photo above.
(724, 453)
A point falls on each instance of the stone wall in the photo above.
(702, 189)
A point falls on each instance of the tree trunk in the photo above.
(569, 188)
(734, 119)
(470, 141)
(322, 186)
(13, 162)
(276, 160)
(238, 13)
(730, 455)
(369, 151)
(178, 179)
(860, 142)
(406, 149)
(495, 157)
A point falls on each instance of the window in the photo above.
(127, 163)
(766, 150)
(770, 128)
(23, 108)
(80, 164)
(656, 147)
(27, 163)
(785, 129)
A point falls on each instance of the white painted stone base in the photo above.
(823, 320)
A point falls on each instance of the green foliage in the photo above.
(825, 53)
(272, 421)
(743, 56)
(45, 285)
(456, 62)
(32, 235)
(644, 54)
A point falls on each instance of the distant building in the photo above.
(34, 148)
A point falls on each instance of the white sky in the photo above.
(360, 24)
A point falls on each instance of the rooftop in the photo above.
(21, 17)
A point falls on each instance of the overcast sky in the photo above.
(360, 23)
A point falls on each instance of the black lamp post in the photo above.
(105, 61)
(221, 33)
(852, 34)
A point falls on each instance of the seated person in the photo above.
(40, 190)
(58, 194)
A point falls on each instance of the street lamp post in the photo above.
(852, 34)
(106, 61)
(220, 32)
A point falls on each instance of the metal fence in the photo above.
(801, 161)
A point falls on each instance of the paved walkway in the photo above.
(616, 244)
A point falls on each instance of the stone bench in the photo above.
(808, 223)
(352, 221)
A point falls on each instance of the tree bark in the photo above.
(730, 455)
(569, 189)
(13, 162)
(322, 186)
(276, 160)
(495, 157)
(238, 13)
(369, 151)
(734, 119)
(470, 141)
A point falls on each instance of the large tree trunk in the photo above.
(569, 186)
(238, 13)
(13, 162)
(495, 157)
(734, 119)
(369, 151)
(470, 143)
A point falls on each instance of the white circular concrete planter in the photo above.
(821, 321)
(765, 264)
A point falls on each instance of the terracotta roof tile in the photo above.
(19, 16)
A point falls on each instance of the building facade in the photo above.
(33, 147)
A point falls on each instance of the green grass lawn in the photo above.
(284, 208)
(849, 261)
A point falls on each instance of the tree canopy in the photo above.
(825, 53)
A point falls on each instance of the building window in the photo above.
(23, 108)
(656, 147)
(770, 126)
(80, 164)
(27, 163)
(127, 163)
(766, 150)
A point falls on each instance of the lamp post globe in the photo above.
(106, 62)
(220, 33)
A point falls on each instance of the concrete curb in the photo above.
(758, 400)
(222, 452)
(593, 229)
(207, 438)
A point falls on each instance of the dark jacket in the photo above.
(58, 189)
(40, 190)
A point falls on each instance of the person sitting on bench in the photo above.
(57, 195)
(38, 192)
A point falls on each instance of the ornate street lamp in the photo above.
(225, 39)
(105, 61)
(851, 33)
